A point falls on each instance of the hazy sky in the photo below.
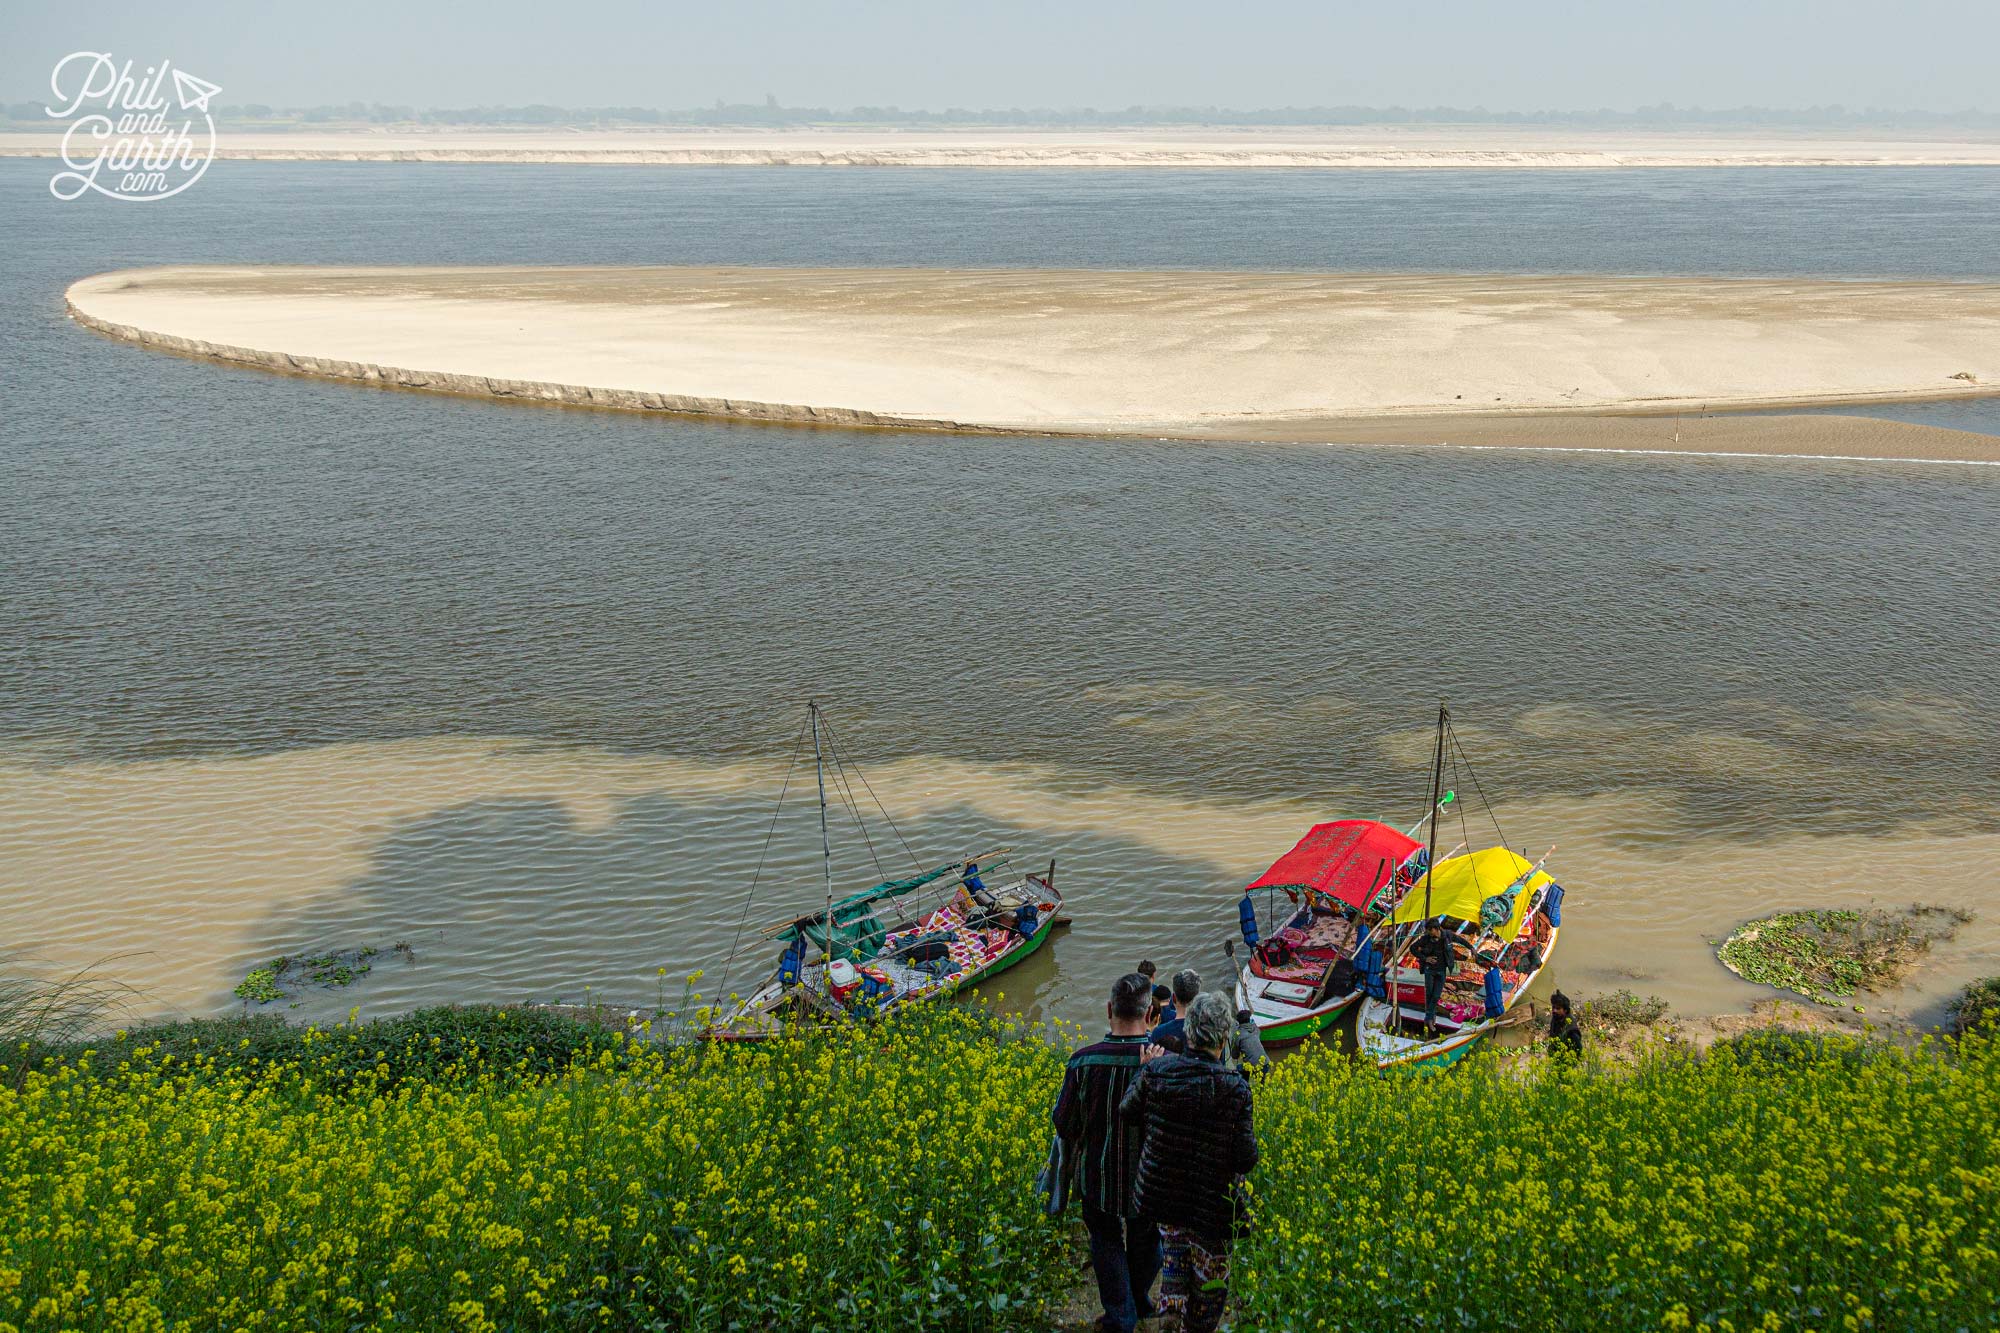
(1503, 54)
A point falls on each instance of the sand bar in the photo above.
(1563, 361)
(1482, 147)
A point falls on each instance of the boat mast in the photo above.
(1437, 793)
(825, 844)
(1430, 866)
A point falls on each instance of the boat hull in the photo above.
(1280, 1024)
(1284, 1032)
(1031, 945)
(956, 986)
(1432, 1056)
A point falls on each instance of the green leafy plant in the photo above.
(1621, 1009)
(1977, 1006)
(467, 1177)
(441, 1045)
(263, 985)
(1828, 954)
(1782, 1181)
(260, 985)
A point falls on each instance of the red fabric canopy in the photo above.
(1344, 860)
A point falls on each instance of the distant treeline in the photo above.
(251, 115)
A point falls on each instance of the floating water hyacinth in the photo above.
(1827, 954)
(288, 973)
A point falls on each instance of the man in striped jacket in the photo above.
(1124, 1250)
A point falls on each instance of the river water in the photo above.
(288, 665)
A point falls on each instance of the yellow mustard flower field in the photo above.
(884, 1180)
(874, 1181)
(1785, 1184)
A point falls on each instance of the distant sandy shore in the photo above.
(1531, 361)
(1378, 146)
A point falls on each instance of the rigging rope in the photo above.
(1474, 774)
(798, 744)
(1464, 830)
(1464, 833)
(845, 789)
(840, 756)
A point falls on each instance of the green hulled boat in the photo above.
(899, 942)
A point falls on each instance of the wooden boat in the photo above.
(887, 953)
(1337, 884)
(1390, 1030)
(897, 943)
(1502, 915)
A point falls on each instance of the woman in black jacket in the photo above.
(1199, 1145)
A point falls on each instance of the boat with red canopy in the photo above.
(1337, 884)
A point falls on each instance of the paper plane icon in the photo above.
(194, 93)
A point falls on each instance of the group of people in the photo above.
(1165, 1025)
(1153, 1138)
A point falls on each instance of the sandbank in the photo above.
(1484, 147)
(1581, 362)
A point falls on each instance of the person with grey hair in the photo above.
(1246, 1044)
(1199, 1144)
(1168, 1035)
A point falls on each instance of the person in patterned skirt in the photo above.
(1199, 1144)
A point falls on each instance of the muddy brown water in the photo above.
(291, 667)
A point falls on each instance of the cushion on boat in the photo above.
(1300, 971)
(1288, 993)
(1328, 936)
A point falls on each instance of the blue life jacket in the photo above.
(1368, 961)
(972, 880)
(1552, 904)
(1496, 993)
(789, 963)
(1026, 919)
(1246, 912)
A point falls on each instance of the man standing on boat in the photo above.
(1433, 955)
(1104, 1150)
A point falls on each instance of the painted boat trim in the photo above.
(1297, 1027)
(1447, 1051)
(996, 966)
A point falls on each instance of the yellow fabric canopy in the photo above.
(1460, 883)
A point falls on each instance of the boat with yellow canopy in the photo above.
(1500, 916)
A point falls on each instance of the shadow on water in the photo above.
(510, 901)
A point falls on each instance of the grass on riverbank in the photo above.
(1976, 1007)
(563, 1178)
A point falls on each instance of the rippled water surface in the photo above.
(286, 664)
